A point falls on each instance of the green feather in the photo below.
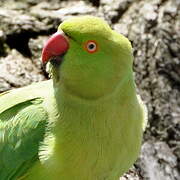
(23, 121)
(87, 124)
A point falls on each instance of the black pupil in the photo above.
(91, 46)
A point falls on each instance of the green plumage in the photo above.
(86, 124)
(23, 120)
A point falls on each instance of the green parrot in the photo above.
(86, 123)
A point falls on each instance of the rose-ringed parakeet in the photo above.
(84, 124)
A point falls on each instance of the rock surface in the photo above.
(17, 71)
(153, 27)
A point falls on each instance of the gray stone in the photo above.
(36, 45)
(17, 71)
(158, 162)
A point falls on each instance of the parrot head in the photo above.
(88, 58)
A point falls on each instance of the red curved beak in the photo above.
(56, 45)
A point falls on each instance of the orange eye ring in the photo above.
(91, 46)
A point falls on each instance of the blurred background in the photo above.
(152, 26)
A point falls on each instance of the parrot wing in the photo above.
(23, 121)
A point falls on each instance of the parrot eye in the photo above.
(91, 46)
